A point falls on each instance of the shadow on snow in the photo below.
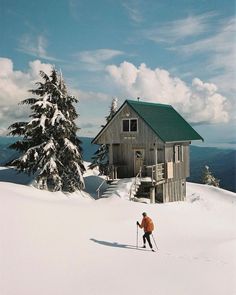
(117, 245)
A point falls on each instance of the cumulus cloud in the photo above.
(198, 103)
(14, 86)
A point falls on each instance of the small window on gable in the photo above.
(130, 125)
(133, 125)
(178, 153)
(126, 125)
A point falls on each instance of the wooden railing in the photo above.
(135, 183)
(99, 188)
(156, 172)
(113, 171)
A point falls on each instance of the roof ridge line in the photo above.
(148, 102)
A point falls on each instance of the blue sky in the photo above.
(176, 52)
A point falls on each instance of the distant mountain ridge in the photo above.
(7, 154)
(222, 162)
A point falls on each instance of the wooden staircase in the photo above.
(113, 186)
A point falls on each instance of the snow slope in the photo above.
(52, 243)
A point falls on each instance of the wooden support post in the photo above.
(115, 172)
(152, 195)
(156, 161)
(111, 161)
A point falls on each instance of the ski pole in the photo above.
(137, 238)
(154, 242)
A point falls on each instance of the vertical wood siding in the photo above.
(174, 190)
(124, 145)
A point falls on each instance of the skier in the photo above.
(148, 227)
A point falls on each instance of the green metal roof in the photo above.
(165, 121)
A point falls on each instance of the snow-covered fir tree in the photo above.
(208, 178)
(50, 148)
(113, 109)
(100, 158)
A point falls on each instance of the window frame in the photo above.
(178, 153)
(129, 125)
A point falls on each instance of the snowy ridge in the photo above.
(55, 243)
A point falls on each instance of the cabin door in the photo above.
(138, 160)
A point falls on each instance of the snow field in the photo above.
(56, 244)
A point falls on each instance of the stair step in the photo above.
(110, 191)
(106, 195)
(114, 181)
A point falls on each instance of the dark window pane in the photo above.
(139, 155)
(133, 125)
(125, 125)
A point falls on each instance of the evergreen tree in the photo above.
(101, 156)
(50, 148)
(100, 159)
(113, 109)
(208, 178)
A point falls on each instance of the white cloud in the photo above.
(220, 54)
(14, 86)
(35, 46)
(133, 10)
(3, 132)
(199, 103)
(173, 31)
(87, 96)
(219, 42)
(95, 60)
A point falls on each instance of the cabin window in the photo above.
(126, 125)
(130, 125)
(178, 153)
(139, 154)
(133, 125)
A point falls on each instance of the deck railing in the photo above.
(156, 172)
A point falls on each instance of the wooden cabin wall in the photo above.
(114, 133)
(174, 190)
(122, 158)
(181, 169)
(125, 143)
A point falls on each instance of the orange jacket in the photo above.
(147, 224)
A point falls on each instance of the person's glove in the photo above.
(137, 223)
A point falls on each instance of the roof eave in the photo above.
(183, 140)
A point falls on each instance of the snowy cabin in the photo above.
(150, 141)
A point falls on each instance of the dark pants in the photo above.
(146, 236)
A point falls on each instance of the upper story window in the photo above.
(130, 125)
(178, 153)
